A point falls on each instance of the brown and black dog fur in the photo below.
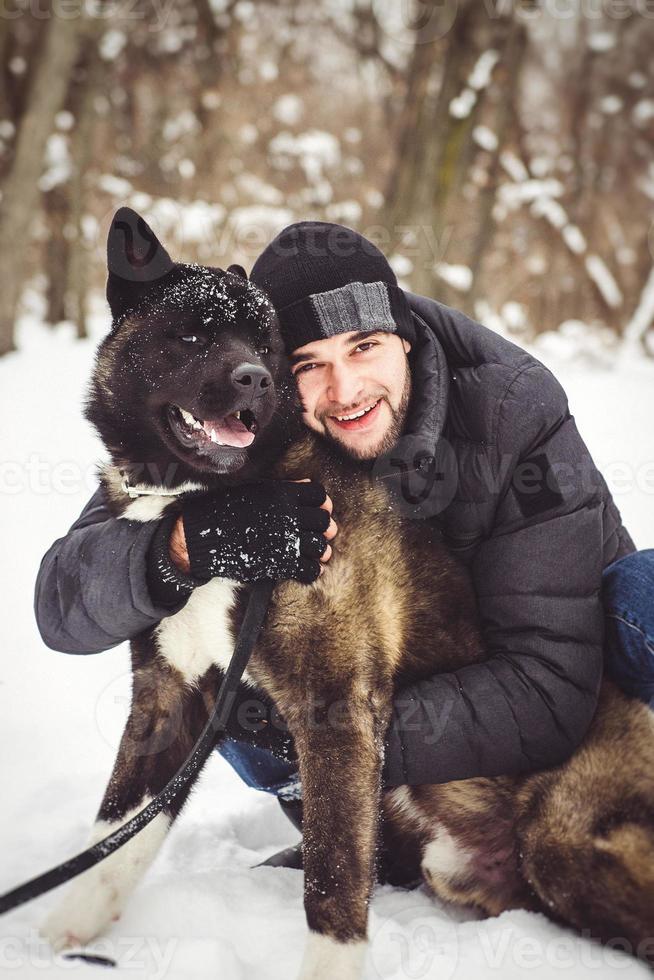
(575, 842)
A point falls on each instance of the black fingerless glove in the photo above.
(272, 529)
(168, 586)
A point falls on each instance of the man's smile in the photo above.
(363, 418)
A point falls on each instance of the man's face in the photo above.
(355, 389)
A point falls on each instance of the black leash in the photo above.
(252, 622)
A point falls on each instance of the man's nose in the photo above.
(344, 386)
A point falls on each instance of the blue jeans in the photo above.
(628, 600)
(260, 769)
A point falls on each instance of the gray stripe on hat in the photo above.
(356, 306)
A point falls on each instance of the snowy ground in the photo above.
(202, 911)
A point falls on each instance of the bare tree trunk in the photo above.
(411, 147)
(449, 133)
(20, 190)
(5, 29)
(506, 118)
(56, 207)
(77, 272)
(435, 147)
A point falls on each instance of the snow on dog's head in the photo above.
(192, 377)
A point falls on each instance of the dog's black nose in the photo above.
(254, 377)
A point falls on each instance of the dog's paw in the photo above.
(326, 958)
(83, 915)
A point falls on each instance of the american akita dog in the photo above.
(575, 842)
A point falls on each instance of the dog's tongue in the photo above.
(229, 431)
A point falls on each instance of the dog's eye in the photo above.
(190, 338)
(263, 350)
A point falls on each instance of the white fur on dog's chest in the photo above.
(200, 635)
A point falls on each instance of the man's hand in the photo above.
(177, 547)
(178, 550)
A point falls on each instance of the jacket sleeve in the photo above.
(92, 587)
(537, 578)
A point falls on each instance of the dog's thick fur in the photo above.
(575, 842)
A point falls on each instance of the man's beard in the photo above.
(392, 434)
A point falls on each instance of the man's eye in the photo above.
(366, 345)
(303, 368)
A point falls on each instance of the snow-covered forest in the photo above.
(499, 152)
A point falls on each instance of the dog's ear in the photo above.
(238, 270)
(136, 260)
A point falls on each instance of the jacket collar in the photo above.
(431, 386)
(420, 471)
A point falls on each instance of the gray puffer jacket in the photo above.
(524, 506)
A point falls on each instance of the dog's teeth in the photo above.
(214, 438)
(237, 415)
(187, 416)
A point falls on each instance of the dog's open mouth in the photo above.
(236, 431)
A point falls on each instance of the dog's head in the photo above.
(193, 377)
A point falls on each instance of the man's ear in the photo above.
(406, 344)
(238, 270)
(136, 260)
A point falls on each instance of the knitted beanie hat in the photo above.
(325, 279)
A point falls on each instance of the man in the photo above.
(472, 433)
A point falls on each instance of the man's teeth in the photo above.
(348, 418)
